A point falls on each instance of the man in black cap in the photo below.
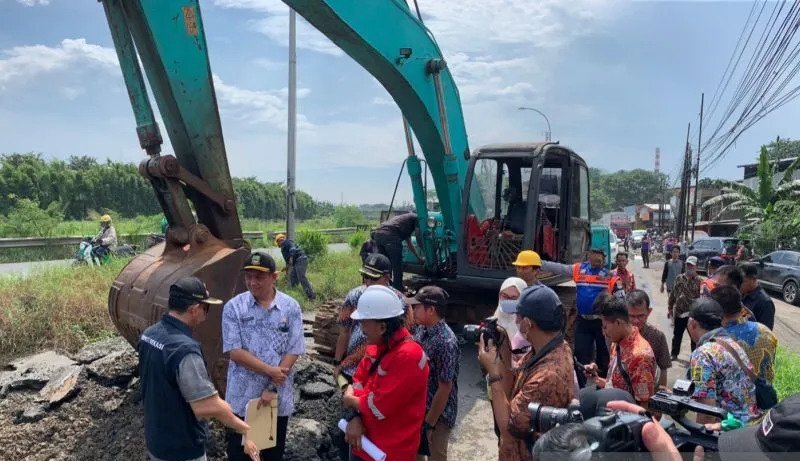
(262, 329)
(176, 389)
(441, 346)
(543, 377)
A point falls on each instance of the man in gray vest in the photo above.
(176, 389)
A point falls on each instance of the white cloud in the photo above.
(33, 2)
(72, 93)
(381, 101)
(25, 62)
(276, 25)
(255, 107)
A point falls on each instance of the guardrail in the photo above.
(34, 242)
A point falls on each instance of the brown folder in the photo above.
(263, 423)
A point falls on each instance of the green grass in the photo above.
(787, 373)
(67, 307)
(331, 275)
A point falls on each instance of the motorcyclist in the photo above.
(106, 239)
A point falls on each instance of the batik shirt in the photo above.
(358, 341)
(684, 292)
(717, 375)
(658, 342)
(758, 342)
(547, 382)
(269, 334)
(639, 361)
(441, 346)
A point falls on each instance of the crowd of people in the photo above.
(398, 359)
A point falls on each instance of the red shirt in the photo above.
(640, 363)
(392, 399)
(628, 282)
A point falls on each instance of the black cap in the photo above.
(707, 311)
(777, 433)
(260, 261)
(430, 295)
(376, 266)
(598, 250)
(716, 261)
(541, 304)
(188, 291)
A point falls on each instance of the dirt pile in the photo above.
(88, 406)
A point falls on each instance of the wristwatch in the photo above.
(493, 378)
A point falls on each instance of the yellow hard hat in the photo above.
(105, 218)
(279, 238)
(528, 258)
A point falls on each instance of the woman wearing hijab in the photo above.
(510, 291)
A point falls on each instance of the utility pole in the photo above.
(683, 194)
(697, 166)
(292, 138)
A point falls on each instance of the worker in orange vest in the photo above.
(711, 282)
(591, 278)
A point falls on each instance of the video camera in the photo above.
(487, 328)
(617, 431)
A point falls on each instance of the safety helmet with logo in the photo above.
(528, 258)
(378, 302)
(105, 218)
(279, 238)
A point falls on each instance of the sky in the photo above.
(616, 80)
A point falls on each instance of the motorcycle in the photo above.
(85, 256)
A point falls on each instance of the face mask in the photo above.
(691, 271)
(509, 306)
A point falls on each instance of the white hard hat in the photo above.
(378, 302)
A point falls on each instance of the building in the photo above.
(750, 174)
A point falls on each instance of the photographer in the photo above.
(541, 377)
(719, 367)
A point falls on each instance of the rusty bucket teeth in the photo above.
(140, 294)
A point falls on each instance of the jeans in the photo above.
(677, 335)
(235, 450)
(646, 258)
(589, 338)
(297, 274)
(391, 246)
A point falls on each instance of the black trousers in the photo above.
(677, 335)
(391, 246)
(646, 258)
(235, 450)
(589, 339)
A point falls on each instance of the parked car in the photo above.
(705, 248)
(780, 271)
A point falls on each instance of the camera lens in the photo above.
(544, 418)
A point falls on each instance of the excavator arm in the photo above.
(164, 40)
(393, 45)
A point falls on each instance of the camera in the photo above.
(487, 328)
(617, 431)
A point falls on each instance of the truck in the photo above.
(494, 200)
(618, 222)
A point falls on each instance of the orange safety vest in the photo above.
(708, 285)
(589, 286)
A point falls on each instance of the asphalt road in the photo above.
(27, 267)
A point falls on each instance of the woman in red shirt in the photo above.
(387, 398)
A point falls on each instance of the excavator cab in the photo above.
(522, 196)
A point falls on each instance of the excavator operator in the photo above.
(106, 239)
(515, 216)
(591, 278)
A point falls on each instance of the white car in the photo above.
(636, 237)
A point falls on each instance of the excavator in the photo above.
(493, 201)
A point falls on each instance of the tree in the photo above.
(782, 148)
(348, 216)
(612, 191)
(761, 203)
(27, 219)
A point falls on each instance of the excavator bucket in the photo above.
(139, 296)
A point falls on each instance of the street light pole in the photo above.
(549, 131)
